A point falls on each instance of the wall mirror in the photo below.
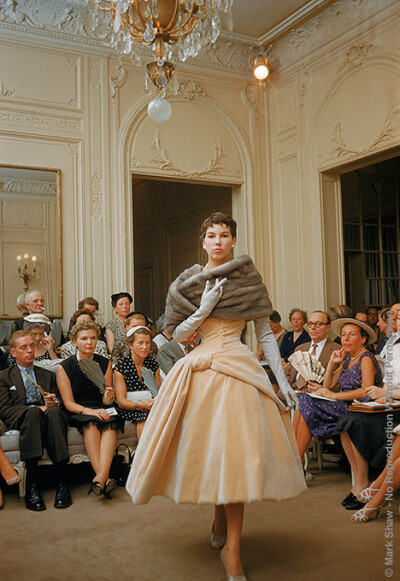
(30, 237)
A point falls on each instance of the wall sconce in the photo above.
(261, 70)
(24, 272)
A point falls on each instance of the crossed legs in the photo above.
(302, 433)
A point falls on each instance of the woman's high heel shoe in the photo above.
(14, 479)
(366, 494)
(109, 487)
(228, 575)
(217, 542)
(96, 488)
(365, 514)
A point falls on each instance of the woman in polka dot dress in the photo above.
(128, 377)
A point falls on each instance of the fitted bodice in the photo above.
(218, 335)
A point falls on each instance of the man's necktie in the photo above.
(33, 395)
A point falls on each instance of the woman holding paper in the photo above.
(353, 368)
(89, 409)
(136, 373)
(364, 435)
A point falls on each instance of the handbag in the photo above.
(120, 468)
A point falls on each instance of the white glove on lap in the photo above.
(271, 351)
(209, 299)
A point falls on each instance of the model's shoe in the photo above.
(228, 575)
(366, 494)
(97, 488)
(63, 496)
(33, 499)
(366, 514)
(217, 542)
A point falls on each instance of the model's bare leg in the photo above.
(358, 464)
(231, 551)
(219, 526)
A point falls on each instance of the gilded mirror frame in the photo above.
(58, 241)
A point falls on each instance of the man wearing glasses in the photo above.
(318, 326)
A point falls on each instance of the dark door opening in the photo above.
(166, 219)
(371, 234)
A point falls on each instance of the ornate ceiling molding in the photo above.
(42, 121)
(232, 54)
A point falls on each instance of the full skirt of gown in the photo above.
(217, 433)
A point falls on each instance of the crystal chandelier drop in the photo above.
(172, 28)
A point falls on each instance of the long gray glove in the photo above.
(209, 299)
(270, 348)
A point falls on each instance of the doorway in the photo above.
(371, 234)
(166, 220)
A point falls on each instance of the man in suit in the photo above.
(318, 326)
(169, 353)
(28, 403)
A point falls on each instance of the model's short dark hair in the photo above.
(218, 218)
(88, 301)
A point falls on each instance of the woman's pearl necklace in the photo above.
(355, 356)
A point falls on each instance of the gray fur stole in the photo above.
(245, 296)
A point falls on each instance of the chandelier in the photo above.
(171, 28)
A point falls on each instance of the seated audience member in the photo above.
(161, 337)
(169, 353)
(69, 348)
(34, 303)
(387, 482)
(353, 368)
(363, 436)
(372, 319)
(278, 331)
(92, 305)
(39, 327)
(139, 319)
(87, 407)
(6, 328)
(8, 473)
(383, 328)
(293, 339)
(360, 316)
(318, 326)
(28, 403)
(132, 374)
(21, 305)
(115, 330)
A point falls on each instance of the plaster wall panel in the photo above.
(41, 78)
